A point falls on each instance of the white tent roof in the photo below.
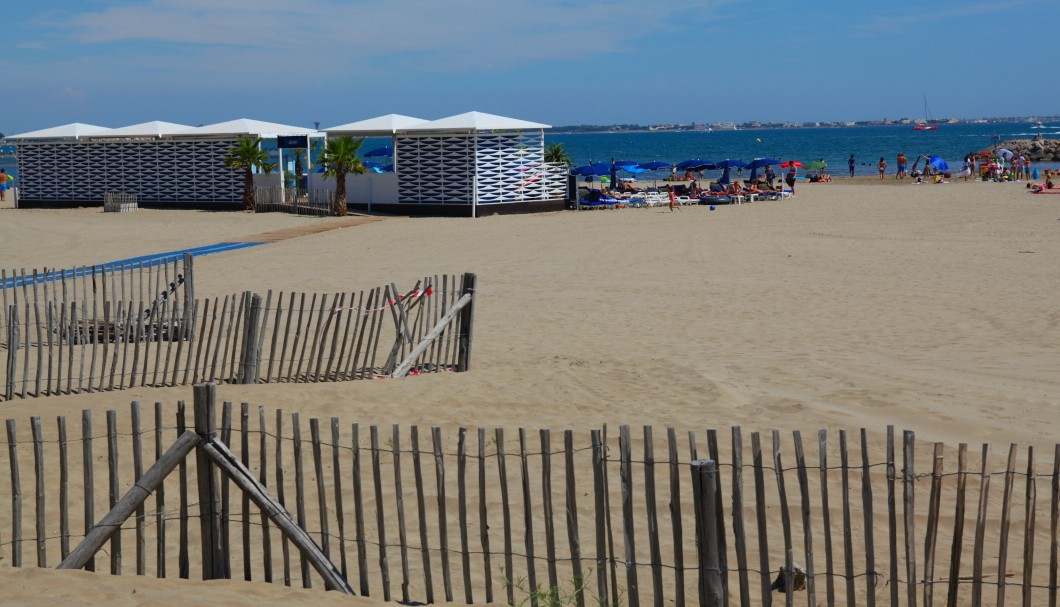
(147, 129)
(66, 131)
(476, 121)
(382, 125)
(245, 126)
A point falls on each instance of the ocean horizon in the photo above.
(832, 144)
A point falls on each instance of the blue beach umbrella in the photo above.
(591, 170)
(726, 165)
(383, 151)
(655, 165)
(626, 163)
(938, 163)
(600, 169)
(689, 165)
(758, 163)
(730, 164)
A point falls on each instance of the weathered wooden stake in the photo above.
(213, 554)
(704, 474)
(467, 317)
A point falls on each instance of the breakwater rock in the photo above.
(1047, 150)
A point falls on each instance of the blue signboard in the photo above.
(292, 141)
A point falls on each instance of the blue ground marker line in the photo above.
(154, 259)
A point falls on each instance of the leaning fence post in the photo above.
(250, 363)
(213, 550)
(467, 317)
(704, 483)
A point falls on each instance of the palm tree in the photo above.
(246, 155)
(555, 154)
(338, 158)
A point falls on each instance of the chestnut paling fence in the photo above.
(481, 515)
(89, 332)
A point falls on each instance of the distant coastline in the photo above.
(754, 125)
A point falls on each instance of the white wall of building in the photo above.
(370, 188)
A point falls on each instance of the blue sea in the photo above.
(834, 145)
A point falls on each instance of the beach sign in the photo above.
(292, 141)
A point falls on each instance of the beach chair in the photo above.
(657, 199)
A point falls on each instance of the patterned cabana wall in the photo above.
(190, 172)
(484, 172)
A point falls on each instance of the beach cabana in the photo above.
(66, 132)
(162, 163)
(145, 130)
(466, 165)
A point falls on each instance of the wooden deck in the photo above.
(313, 228)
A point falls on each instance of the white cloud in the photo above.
(437, 35)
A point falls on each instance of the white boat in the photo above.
(1039, 125)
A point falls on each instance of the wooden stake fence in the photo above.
(370, 534)
(88, 345)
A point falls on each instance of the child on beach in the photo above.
(882, 166)
(673, 197)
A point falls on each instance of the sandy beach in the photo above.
(858, 303)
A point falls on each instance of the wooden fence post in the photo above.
(12, 349)
(213, 552)
(250, 361)
(189, 289)
(704, 482)
(467, 318)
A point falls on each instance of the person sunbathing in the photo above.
(734, 189)
(753, 188)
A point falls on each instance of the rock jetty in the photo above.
(1047, 150)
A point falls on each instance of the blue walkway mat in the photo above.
(124, 264)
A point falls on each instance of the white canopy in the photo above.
(74, 130)
(476, 121)
(245, 126)
(380, 125)
(154, 128)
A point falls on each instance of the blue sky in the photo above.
(115, 63)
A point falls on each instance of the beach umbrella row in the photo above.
(695, 164)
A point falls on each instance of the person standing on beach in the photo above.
(673, 197)
(850, 164)
(793, 172)
(882, 166)
(4, 179)
(901, 161)
(770, 176)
